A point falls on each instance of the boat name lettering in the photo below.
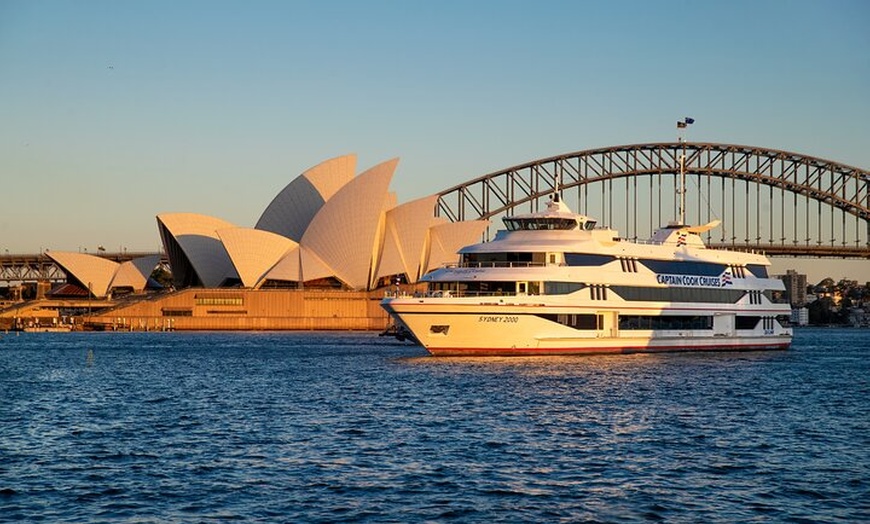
(497, 319)
(689, 280)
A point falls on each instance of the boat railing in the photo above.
(438, 293)
(643, 241)
(491, 264)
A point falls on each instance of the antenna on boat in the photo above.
(683, 124)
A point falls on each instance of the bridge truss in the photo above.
(29, 268)
(17, 269)
(780, 202)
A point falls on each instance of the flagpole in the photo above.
(683, 124)
(683, 183)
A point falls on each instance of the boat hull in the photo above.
(744, 345)
(464, 329)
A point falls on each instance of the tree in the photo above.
(162, 276)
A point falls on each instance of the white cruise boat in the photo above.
(554, 283)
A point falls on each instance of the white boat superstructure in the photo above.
(554, 283)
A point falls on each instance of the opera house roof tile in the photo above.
(254, 252)
(101, 275)
(135, 273)
(288, 269)
(405, 237)
(193, 245)
(313, 267)
(295, 206)
(344, 231)
(92, 272)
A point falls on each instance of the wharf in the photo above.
(200, 309)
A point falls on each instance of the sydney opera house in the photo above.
(315, 259)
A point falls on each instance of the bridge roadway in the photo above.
(782, 250)
(15, 268)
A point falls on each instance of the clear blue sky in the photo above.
(112, 112)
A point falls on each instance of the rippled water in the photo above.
(302, 427)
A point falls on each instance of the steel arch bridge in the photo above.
(780, 202)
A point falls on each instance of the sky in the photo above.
(112, 112)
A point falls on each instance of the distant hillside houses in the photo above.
(845, 302)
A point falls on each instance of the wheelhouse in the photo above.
(548, 223)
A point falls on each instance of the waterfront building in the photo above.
(330, 237)
(795, 287)
(800, 316)
(327, 228)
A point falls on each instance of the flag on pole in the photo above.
(681, 124)
(690, 120)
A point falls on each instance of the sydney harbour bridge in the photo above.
(777, 202)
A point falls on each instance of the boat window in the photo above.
(679, 267)
(664, 322)
(473, 288)
(747, 322)
(589, 225)
(584, 259)
(582, 321)
(678, 294)
(500, 259)
(562, 288)
(540, 223)
(439, 330)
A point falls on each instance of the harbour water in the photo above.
(351, 427)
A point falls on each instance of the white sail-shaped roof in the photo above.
(446, 240)
(200, 248)
(292, 210)
(405, 237)
(344, 232)
(135, 273)
(91, 272)
(288, 268)
(253, 252)
(313, 267)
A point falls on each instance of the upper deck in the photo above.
(557, 217)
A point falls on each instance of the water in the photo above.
(302, 427)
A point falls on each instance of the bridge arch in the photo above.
(797, 198)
